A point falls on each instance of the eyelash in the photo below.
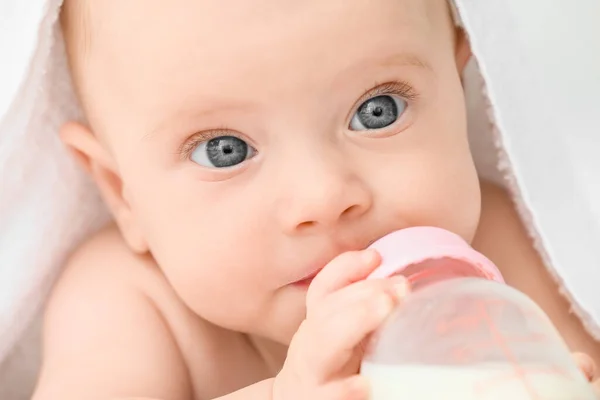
(399, 88)
(186, 149)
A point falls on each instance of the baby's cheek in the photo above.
(212, 285)
(458, 204)
(457, 198)
(213, 268)
(440, 191)
(208, 243)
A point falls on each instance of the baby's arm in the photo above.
(104, 339)
(502, 237)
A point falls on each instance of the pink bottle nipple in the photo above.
(413, 251)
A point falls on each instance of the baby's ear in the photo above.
(99, 163)
(462, 50)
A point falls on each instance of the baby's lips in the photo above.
(412, 246)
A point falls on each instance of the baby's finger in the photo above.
(360, 292)
(135, 398)
(325, 345)
(342, 271)
(587, 365)
(355, 387)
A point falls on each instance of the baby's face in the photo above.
(256, 140)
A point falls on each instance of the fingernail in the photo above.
(401, 286)
(385, 306)
(368, 256)
(588, 366)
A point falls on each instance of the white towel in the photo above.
(540, 63)
(540, 60)
(46, 204)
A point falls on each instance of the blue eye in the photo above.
(378, 112)
(222, 152)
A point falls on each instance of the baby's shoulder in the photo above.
(103, 273)
(101, 317)
(500, 224)
(500, 229)
(504, 238)
(104, 264)
(117, 307)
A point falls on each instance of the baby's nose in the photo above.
(323, 199)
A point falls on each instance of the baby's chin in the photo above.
(280, 325)
(275, 319)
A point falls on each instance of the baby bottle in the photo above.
(462, 334)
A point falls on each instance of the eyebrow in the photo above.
(215, 106)
(225, 105)
(388, 60)
(395, 59)
(406, 59)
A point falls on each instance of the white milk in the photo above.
(486, 382)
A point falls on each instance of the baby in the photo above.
(249, 151)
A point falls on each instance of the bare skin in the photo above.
(198, 291)
(123, 305)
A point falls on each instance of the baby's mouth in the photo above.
(305, 282)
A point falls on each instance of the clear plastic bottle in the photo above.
(462, 334)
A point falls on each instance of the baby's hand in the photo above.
(343, 309)
(589, 368)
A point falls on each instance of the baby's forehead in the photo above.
(79, 17)
(130, 45)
